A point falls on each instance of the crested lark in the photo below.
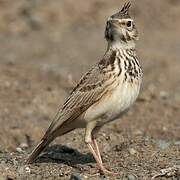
(105, 92)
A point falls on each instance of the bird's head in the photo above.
(120, 29)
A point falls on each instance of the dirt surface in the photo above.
(45, 46)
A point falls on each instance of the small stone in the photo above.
(164, 94)
(132, 151)
(19, 150)
(75, 177)
(23, 145)
(61, 174)
(164, 128)
(138, 132)
(177, 143)
(131, 177)
(28, 170)
(162, 144)
(85, 177)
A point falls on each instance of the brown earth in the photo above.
(45, 46)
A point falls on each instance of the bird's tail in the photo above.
(57, 128)
(39, 148)
(49, 136)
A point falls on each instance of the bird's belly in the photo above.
(122, 98)
(115, 103)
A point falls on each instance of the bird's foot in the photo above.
(105, 171)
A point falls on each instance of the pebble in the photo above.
(138, 132)
(23, 145)
(23, 170)
(75, 177)
(164, 128)
(131, 177)
(27, 169)
(164, 94)
(19, 150)
(61, 174)
(132, 151)
(85, 177)
(162, 144)
(177, 143)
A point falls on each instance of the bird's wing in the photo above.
(91, 87)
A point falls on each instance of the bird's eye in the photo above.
(129, 23)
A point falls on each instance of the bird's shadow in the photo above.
(65, 155)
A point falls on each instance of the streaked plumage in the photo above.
(105, 92)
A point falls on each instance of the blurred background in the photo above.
(46, 45)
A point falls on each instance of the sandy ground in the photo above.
(45, 46)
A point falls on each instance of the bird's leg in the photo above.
(97, 150)
(98, 160)
(94, 134)
(93, 147)
(96, 157)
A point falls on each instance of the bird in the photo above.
(105, 92)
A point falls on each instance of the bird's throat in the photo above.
(121, 45)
